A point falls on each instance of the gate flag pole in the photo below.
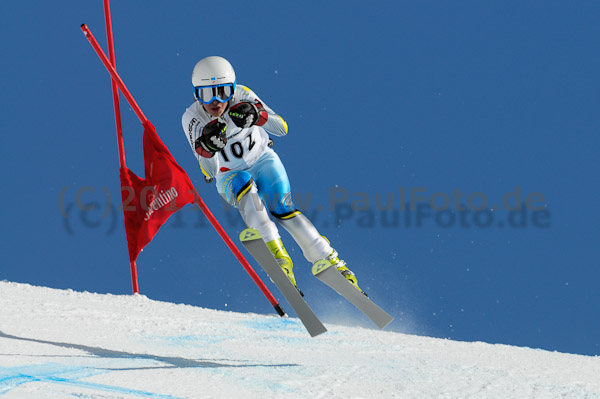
(121, 85)
(115, 93)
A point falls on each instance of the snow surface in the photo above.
(66, 344)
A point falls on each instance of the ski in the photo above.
(325, 271)
(254, 243)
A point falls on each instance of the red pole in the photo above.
(121, 145)
(236, 252)
(134, 277)
(116, 78)
(113, 72)
(115, 90)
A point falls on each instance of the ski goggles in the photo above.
(207, 94)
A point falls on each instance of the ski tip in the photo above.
(317, 333)
(385, 323)
(249, 235)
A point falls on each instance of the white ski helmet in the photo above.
(213, 72)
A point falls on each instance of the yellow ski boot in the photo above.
(283, 258)
(340, 265)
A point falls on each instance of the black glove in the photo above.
(212, 140)
(248, 114)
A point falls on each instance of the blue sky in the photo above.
(380, 96)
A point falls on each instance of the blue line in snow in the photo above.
(11, 378)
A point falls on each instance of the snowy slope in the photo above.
(66, 344)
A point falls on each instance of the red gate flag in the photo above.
(149, 202)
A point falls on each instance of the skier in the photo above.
(227, 129)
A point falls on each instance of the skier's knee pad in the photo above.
(282, 206)
(235, 186)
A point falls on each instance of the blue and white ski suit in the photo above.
(250, 174)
